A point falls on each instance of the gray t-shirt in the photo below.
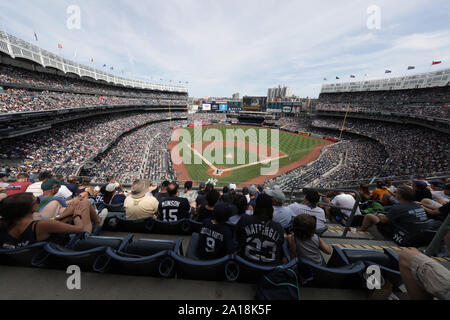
(310, 250)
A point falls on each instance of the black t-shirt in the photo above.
(201, 199)
(423, 194)
(173, 209)
(408, 219)
(204, 213)
(216, 241)
(443, 212)
(260, 242)
(161, 195)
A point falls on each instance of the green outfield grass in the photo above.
(294, 146)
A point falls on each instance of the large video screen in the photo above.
(254, 103)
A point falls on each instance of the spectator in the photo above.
(72, 185)
(344, 204)
(241, 204)
(246, 194)
(20, 186)
(254, 231)
(206, 211)
(138, 205)
(379, 191)
(112, 195)
(163, 191)
(364, 193)
(201, 198)
(438, 193)
(435, 210)
(421, 190)
(424, 278)
(405, 222)
(84, 188)
(63, 192)
(35, 188)
(305, 243)
(282, 215)
(173, 208)
(189, 194)
(309, 206)
(216, 238)
(18, 229)
(3, 182)
(253, 192)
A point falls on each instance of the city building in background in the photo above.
(280, 92)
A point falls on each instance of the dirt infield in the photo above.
(183, 175)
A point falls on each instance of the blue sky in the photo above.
(222, 47)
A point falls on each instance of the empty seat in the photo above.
(249, 272)
(144, 257)
(179, 227)
(134, 226)
(345, 277)
(82, 253)
(111, 222)
(22, 256)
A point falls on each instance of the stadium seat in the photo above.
(345, 277)
(387, 261)
(84, 252)
(195, 226)
(249, 272)
(179, 227)
(111, 222)
(21, 256)
(134, 226)
(191, 267)
(145, 257)
(321, 231)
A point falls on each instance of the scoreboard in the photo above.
(254, 103)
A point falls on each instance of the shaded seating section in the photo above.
(84, 252)
(145, 257)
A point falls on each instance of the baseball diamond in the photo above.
(240, 154)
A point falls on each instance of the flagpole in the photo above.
(345, 120)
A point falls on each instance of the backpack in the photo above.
(280, 284)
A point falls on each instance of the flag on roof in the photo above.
(60, 46)
(352, 76)
(337, 78)
(411, 67)
(35, 35)
(388, 71)
(436, 62)
(92, 59)
(112, 68)
(104, 66)
(325, 79)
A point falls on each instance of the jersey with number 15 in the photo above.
(172, 209)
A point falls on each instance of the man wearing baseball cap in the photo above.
(139, 205)
(282, 215)
(421, 190)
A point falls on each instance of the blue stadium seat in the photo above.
(191, 267)
(249, 272)
(337, 259)
(21, 256)
(111, 222)
(134, 226)
(195, 226)
(146, 257)
(84, 252)
(345, 277)
(321, 231)
(179, 227)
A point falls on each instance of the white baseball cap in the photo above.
(232, 186)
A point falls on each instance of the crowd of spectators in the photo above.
(18, 76)
(411, 149)
(63, 149)
(433, 111)
(135, 150)
(17, 100)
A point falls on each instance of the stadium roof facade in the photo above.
(17, 48)
(419, 81)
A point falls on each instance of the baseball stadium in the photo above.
(129, 170)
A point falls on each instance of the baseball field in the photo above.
(239, 154)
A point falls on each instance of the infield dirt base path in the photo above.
(183, 175)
